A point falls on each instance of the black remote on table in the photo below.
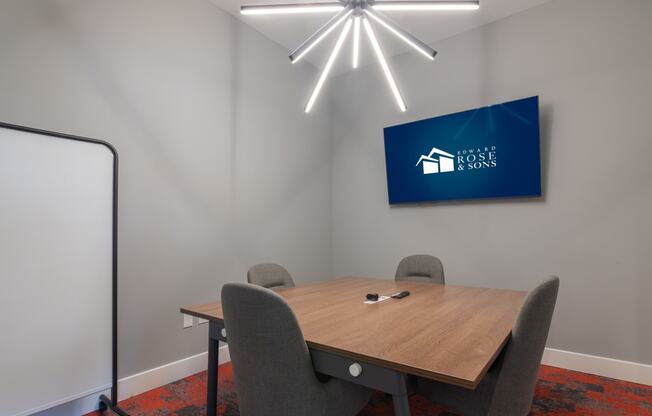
(401, 295)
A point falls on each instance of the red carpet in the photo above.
(559, 392)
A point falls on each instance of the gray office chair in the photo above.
(508, 387)
(271, 361)
(421, 268)
(270, 276)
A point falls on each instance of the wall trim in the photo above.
(167, 373)
(81, 403)
(585, 363)
(600, 366)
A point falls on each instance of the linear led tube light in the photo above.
(383, 64)
(356, 40)
(425, 5)
(291, 8)
(320, 34)
(406, 37)
(327, 67)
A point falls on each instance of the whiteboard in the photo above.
(56, 269)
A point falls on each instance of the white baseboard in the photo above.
(167, 373)
(591, 364)
(79, 404)
(129, 386)
(600, 366)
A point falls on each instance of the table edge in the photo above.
(467, 384)
(452, 380)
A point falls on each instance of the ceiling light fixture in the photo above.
(356, 40)
(383, 63)
(317, 37)
(426, 5)
(292, 8)
(406, 37)
(327, 67)
(356, 13)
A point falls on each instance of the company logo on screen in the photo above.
(439, 161)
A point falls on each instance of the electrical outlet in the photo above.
(203, 321)
(187, 321)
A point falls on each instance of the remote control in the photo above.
(401, 295)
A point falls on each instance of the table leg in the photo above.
(378, 378)
(211, 396)
(401, 405)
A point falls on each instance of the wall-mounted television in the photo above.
(488, 152)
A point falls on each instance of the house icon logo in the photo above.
(437, 161)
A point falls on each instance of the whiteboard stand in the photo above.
(105, 402)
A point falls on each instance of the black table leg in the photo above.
(378, 378)
(401, 405)
(390, 381)
(213, 362)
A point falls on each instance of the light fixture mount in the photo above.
(357, 14)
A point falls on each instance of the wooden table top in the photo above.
(446, 333)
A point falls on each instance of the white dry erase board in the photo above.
(57, 270)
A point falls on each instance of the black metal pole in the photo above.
(211, 384)
(114, 390)
(112, 403)
(114, 408)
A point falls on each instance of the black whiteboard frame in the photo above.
(104, 401)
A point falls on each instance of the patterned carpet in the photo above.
(558, 392)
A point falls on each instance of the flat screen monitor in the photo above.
(488, 152)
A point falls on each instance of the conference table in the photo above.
(451, 334)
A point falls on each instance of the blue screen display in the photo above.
(489, 152)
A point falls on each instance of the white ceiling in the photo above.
(291, 30)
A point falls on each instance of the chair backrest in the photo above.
(270, 276)
(518, 367)
(421, 268)
(271, 361)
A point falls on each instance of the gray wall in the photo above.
(590, 61)
(221, 169)
(219, 166)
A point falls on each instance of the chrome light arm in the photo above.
(320, 34)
